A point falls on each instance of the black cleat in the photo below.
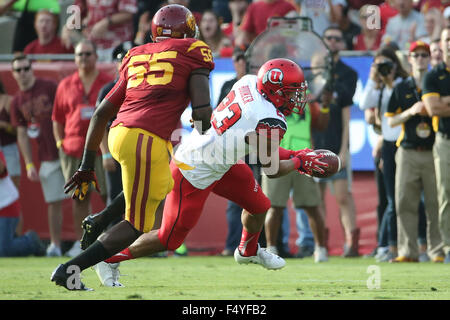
(91, 231)
(70, 281)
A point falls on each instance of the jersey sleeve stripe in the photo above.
(197, 44)
(431, 94)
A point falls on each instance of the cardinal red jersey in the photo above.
(153, 85)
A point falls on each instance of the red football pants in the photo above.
(184, 204)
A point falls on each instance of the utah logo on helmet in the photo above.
(275, 76)
(282, 82)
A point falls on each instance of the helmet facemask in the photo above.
(294, 98)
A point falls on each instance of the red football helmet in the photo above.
(281, 81)
(173, 21)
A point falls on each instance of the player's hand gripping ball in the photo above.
(333, 160)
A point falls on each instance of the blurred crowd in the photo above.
(223, 24)
(399, 32)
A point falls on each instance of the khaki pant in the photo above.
(305, 191)
(414, 174)
(441, 153)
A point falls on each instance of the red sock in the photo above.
(121, 256)
(249, 243)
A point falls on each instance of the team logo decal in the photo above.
(190, 20)
(159, 31)
(274, 76)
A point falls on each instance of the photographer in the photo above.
(414, 159)
(386, 71)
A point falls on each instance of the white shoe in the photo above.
(272, 249)
(320, 254)
(108, 273)
(53, 251)
(263, 257)
(75, 250)
(381, 251)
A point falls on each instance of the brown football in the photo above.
(333, 160)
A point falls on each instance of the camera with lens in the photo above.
(385, 68)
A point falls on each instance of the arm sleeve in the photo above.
(199, 55)
(16, 116)
(429, 84)
(117, 94)
(393, 103)
(369, 96)
(58, 105)
(271, 128)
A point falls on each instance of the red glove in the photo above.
(81, 181)
(305, 162)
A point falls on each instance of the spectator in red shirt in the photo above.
(106, 23)
(74, 105)
(46, 26)
(31, 112)
(257, 15)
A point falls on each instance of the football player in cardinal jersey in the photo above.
(157, 82)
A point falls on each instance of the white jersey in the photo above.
(204, 159)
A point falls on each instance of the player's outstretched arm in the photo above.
(199, 93)
(275, 161)
(85, 175)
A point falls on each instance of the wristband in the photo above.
(29, 165)
(106, 156)
(325, 110)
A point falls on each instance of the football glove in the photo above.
(306, 162)
(80, 181)
(83, 177)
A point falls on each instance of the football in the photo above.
(333, 160)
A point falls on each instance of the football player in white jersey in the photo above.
(250, 120)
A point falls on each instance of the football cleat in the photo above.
(70, 281)
(108, 273)
(320, 254)
(91, 231)
(263, 257)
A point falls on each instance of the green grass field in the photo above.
(219, 278)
